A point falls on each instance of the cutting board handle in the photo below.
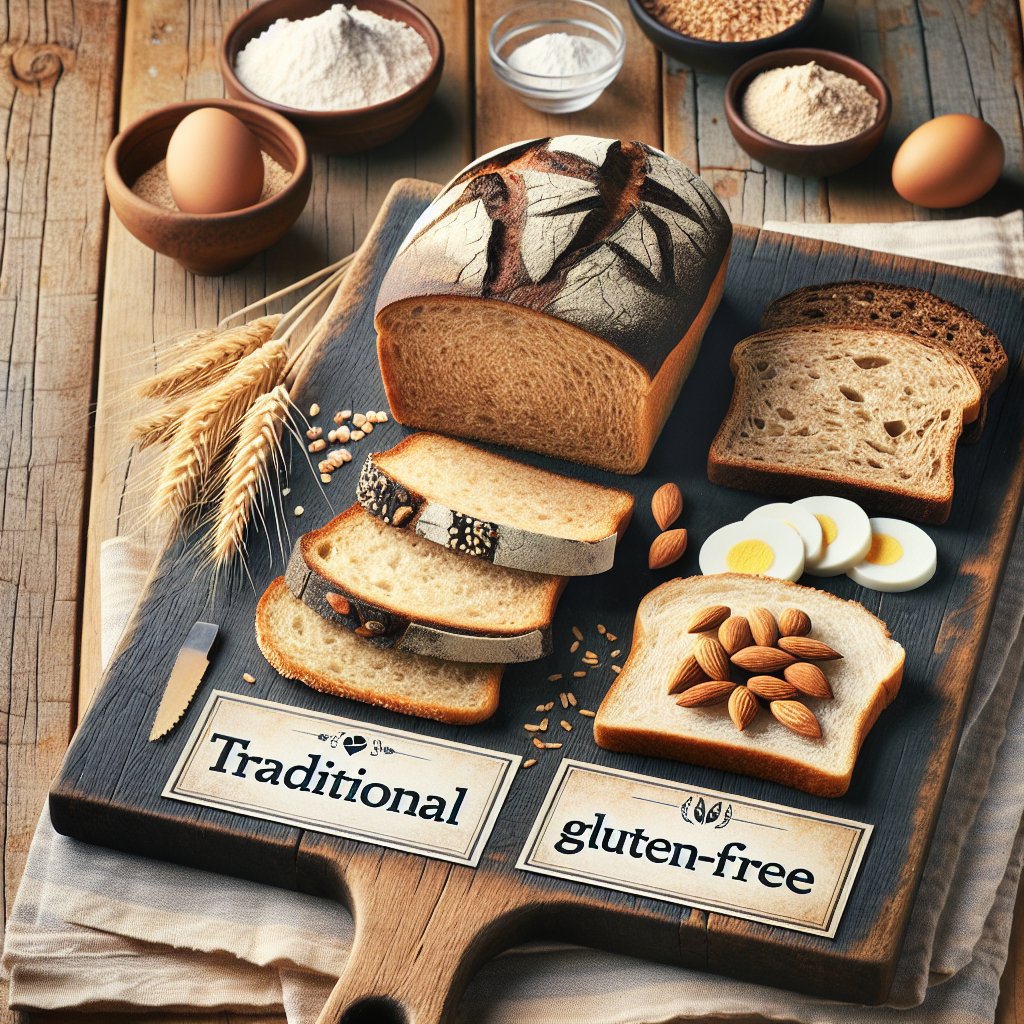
(421, 932)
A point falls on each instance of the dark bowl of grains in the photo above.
(719, 35)
(206, 243)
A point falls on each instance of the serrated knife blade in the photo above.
(185, 677)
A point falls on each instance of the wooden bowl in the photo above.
(806, 161)
(206, 243)
(708, 55)
(338, 131)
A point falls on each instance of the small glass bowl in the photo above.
(553, 93)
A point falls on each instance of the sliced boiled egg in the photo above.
(801, 520)
(901, 557)
(765, 547)
(847, 533)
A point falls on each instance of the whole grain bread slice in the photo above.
(899, 308)
(301, 645)
(640, 715)
(403, 591)
(485, 505)
(869, 415)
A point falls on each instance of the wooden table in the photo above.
(84, 306)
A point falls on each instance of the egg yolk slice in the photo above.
(750, 556)
(828, 527)
(885, 549)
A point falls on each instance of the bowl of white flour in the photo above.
(349, 76)
(557, 55)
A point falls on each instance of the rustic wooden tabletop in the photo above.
(83, 305)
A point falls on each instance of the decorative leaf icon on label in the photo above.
(353, 744)
(714, 813)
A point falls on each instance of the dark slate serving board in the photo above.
(423, 925)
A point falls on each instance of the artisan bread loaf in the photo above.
(301, 645)
(401, 590)
(490, 507)
(553, 298)
(869, 415)
(899, 308)
(639, 715)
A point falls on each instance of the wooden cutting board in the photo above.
(422, 924)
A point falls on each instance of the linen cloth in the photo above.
(98, 930)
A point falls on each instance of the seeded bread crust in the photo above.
(384, 495)
(482, 700)
(686, 743)
(903, 309)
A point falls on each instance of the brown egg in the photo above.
(948, 161)
(214, 163)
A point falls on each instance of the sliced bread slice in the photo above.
(505, 512)
(640, 715)
(406, 592)
(869, 415)
(301, 645)
(899, 308)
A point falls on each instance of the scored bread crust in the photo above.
(383, 493)
(903, 309)
(375, 691)
(430, 634)
(785, 479)
(733, 756)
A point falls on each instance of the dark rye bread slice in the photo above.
(301, 645)
(403, 591)
(896, 307)
(485, 505)
(869, 415)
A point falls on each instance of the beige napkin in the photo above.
(94, 929)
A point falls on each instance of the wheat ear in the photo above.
(158, 427)
(210, 360)
(211, 421)
(256, 452)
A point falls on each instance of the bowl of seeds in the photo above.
(719, 35)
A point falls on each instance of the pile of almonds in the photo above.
(670, 545)
(760, 647)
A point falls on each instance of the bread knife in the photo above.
(185, 677)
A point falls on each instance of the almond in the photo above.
(666, 548)
(793, 622)
(796, 717)
(762, 659)
(666, 505)
(710, 617)
(763, 627)
(339, 604)
(743, 707)
(771, 687)
(711, 657)
(734, 634)
(809, 679)
(807, 649)
(688, 673)
(705, 694)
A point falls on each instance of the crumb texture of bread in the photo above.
(496, 489)
(301, 645)
(638, 714)
(418, 580)
(544, 290)
(872, 413)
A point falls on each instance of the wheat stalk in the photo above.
(211, 420)
(158, 427)
(210, 360)
(256, 451)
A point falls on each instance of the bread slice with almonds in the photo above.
(301, 645)
(491, 507)
(400, 590)
(780, 707)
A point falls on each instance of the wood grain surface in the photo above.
(939, 57)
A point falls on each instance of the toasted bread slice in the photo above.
(495, 508)
(899, 308)
(406, 592)
(639, 714)
(301, 645)
(869, 415)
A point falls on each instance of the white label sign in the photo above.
(714, 851)
(329, 774)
